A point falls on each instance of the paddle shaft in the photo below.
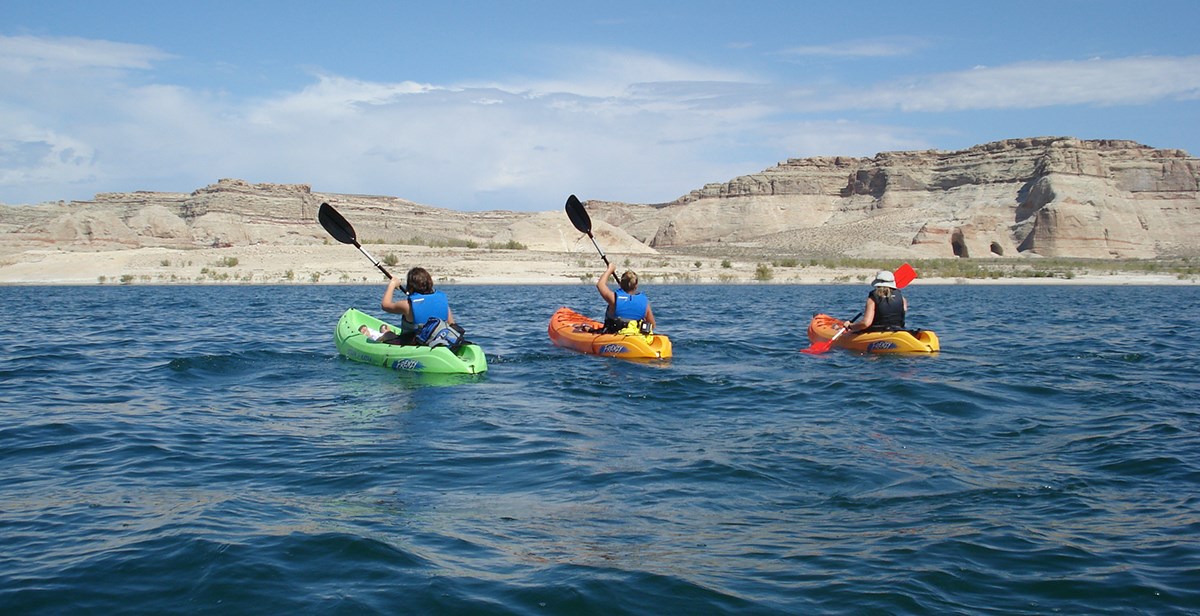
(376, 262)
(823, 346)
(603, 257)
(844, 329)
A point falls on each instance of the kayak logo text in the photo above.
(406, 364)
(612, 348)
(880, 346)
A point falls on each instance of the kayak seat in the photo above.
(408, 339)
(626, 327)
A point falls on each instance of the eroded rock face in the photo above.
(237, 213)
(1047, 196)
(1051, 196)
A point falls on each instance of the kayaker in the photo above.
(626, 303)
(886, 306)
(421, 303)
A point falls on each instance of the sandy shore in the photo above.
(343, 264)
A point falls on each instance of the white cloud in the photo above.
(29, 53)
(846, 138)
(1122, 81)
(30, 155)
(602, 73)
(614, 125)
(511, 144)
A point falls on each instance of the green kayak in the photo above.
(467, 359)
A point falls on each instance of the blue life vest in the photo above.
(889, 313)
(631, 307)
(424, 306)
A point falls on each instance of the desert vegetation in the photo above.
(1064, 268)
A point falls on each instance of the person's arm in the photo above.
(449, 315)
(402, 307)
(602, 286)
(867, 319)
(649, 315)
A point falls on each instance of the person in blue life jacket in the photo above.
(415, 308)
(624, 304)
(885, 309)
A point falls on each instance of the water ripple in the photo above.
(235, 463)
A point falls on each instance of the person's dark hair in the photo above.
(629, 281)
(419, 281)
(881, 292)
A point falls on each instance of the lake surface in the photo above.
(205, 450)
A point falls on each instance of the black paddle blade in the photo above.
(336, 225)
(579, 216)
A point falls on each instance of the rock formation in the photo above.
(1047, 196)
(1050, 196)
(236, 213)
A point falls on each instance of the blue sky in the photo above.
(493, 105)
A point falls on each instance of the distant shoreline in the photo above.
(1106, 280)
(339, 264)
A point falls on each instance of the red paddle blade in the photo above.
(822, 346)
(817, 348)
(904, 275)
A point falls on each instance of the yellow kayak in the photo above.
(571, 330)
(824, 327)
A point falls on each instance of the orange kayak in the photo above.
(823, 327)
(571, 330)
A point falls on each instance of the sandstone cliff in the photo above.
(236, 213)
(1050, 196)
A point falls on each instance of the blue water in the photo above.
(205, 450)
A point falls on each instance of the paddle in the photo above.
(822, 346)
(903, 275)
(579, 217)
(343, 231)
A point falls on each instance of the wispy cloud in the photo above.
(883, 47)
(597, 72)
(334, 96)
(29, 53)
(1121, 81)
